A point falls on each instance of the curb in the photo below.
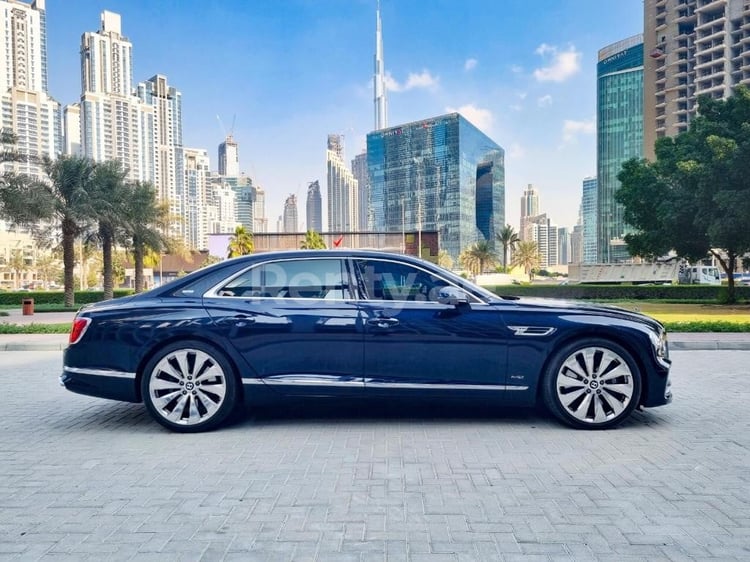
(711, 345)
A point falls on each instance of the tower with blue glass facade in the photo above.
(440, 174)
(619, 135)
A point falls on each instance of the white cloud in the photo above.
(516, 107)
(424, 80)
(516, 69)
(544, 101)
(571, 129)
(561, 64)
(515, 152)
(470, 64)
(522, 95)
(481, 118)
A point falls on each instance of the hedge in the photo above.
(622, 292)
(13, 298)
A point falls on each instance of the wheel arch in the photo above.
(627, 343)
(161, 344)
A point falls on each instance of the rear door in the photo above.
(295, 324)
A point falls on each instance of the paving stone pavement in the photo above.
(89, 479)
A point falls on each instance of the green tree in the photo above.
(109, 192)
(478, 257)
(445, 260)
(62, 199)
(17, 265)
(695, 197)
(143, 223)
(48, 268)
(241, 243)
(313, 241)
(527, 256)
(509, 239)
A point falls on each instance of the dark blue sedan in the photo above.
(350, 323)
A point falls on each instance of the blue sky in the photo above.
(289, 72)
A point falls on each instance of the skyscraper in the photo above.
(343, 190)
(588, 221)
(359, 169)
(260, 221)
(314, 207)
(380, 101)
(115, 123)
(529, 208)
(196, 199)
(27, 109)
(291, 223)
(692, 47)
(619, 137)
(229, 160)
(167, 158)
(441, 174)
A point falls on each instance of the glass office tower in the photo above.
(441, 174)
(619, 135)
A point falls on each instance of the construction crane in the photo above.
(230, 135)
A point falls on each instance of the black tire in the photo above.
(189, 386)
(592, 384)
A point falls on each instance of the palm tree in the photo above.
(527, 256)
(478, 257)
(17, 264)
(241, 243)
(109, 192)
(67, 195)
(142, 217)
(313, 241)
(508, 238)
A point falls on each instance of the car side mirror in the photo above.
(452, 296)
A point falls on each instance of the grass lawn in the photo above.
(669, 312)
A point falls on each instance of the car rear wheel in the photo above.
(189, 387)
(592, 384)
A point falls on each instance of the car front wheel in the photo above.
(593, 384)
(189, 387)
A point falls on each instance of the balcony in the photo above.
(710, 5)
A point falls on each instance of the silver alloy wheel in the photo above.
(594, 385)
(187, 386)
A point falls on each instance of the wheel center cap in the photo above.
(189, 386)
(594, 384)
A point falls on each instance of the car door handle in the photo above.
(242, 320)
(383, 322)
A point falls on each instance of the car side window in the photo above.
(392, 281)
(293, 279)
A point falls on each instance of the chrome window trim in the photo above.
(100, 372)
(415, 266)
(213, 292)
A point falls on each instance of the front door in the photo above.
(414, 343)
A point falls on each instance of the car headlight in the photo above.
(661, 346)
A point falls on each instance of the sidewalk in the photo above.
(678, 341)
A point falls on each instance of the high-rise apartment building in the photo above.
(619, 137)
(229, 158)
(359, 169)
(540, 229)
(440, 174)
(314, 208)
(167, 157)
(72, 130)
(692, 47)
(529, 208)
(260, 221)
(290, 221)
(195, 199)
(27, 109)
(564, 251)
(115, 123)
(343, 189)
(589, 221)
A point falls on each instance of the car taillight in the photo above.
(78, 329)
